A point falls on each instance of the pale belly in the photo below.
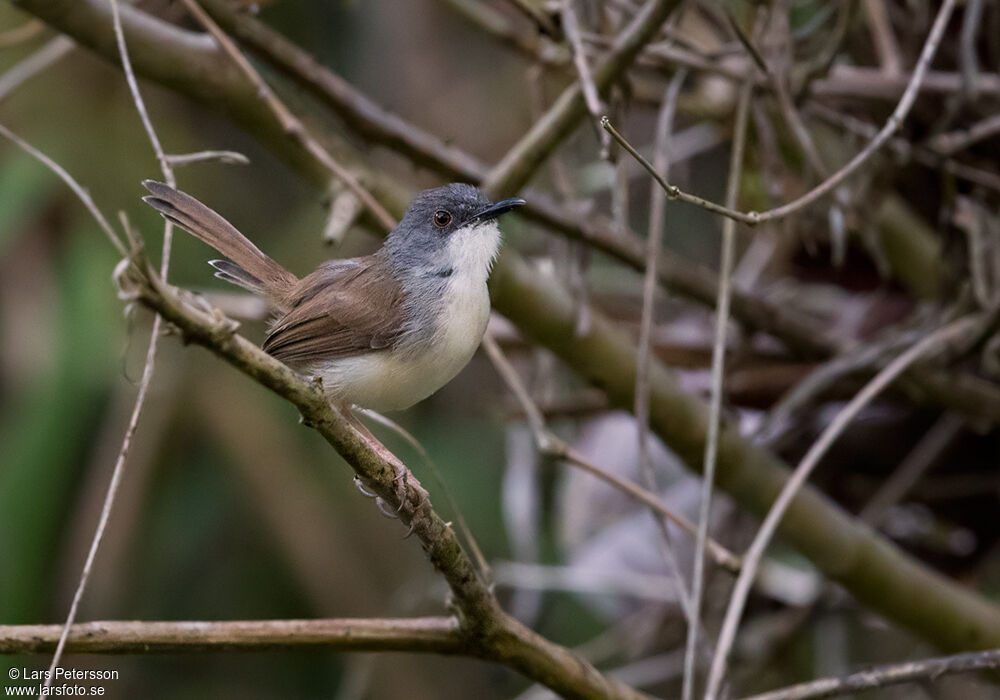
(392, 380)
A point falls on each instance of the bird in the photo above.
(383, 331)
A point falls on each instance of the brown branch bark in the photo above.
(439, 635)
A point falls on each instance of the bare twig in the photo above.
(920, 458)
(477, 553)
(536, 14)
(78, 189)
(148, 369)
(819, 380)
(882, 676)
(227, 157)
(582, 579)
(883, 37)
(741, 590)
(968, 61)
(953, 141)
(728, 255)
(571, 26)
(864, 83)
(654, 242)
(552, 446)
(488, 631)
(289, 122)
(892, 125)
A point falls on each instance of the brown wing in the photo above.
(344, 308)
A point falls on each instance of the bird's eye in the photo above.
(441, 218)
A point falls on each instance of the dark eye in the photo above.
(441, 218)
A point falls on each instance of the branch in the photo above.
(440, 635)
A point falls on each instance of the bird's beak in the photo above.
(494, 210)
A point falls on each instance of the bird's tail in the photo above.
(249, 268)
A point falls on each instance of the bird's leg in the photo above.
(376, 445)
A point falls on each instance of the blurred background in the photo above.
(230, 509)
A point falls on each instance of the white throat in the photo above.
(471, 250)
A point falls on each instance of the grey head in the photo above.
(446, 226)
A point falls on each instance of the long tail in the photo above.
(250, 267)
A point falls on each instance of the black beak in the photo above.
(492, 211)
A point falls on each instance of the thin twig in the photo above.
(571, 26)
(552, 446)
(949, 143)
(226, 157)
(805, 392)
(968, 61)
(654, 242)
(798, 478)
(883, 676)
(584, 579)
(728, 255)
(885, 42)
(477, 553)
(892, 125)
(289, 122)
(77, 188)
(148, 369)
(920, 458)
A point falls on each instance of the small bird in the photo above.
(382, 331)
